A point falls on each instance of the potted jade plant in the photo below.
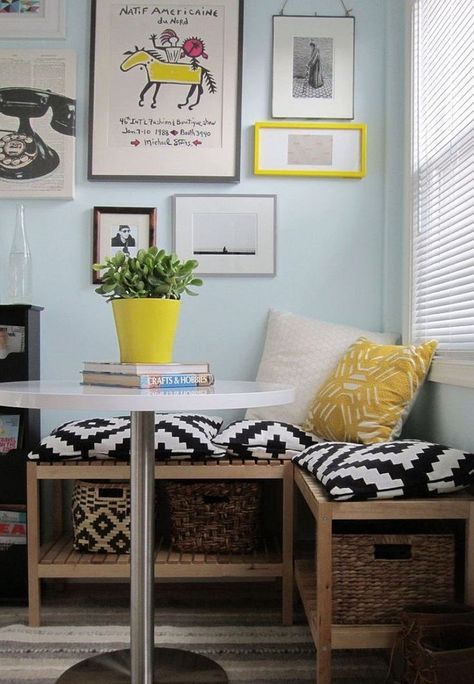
(145, 291)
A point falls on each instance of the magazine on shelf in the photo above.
(12, 529)
(12, 516)
(6, 541)
(12, 339)
(9, 432)
(144, 368)
(147, 381)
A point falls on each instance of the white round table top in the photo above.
(224, 394)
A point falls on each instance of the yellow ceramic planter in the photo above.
(146, 329)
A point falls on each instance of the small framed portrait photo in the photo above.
(121, 229)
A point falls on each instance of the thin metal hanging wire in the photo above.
(347, 12)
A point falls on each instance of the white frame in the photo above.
(256, 214)
(340, 149)
(338, 103)
(52, 24)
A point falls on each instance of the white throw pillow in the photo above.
(302, 351)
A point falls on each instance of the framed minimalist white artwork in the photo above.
(226, 234)
(32, 19)
(313, 67)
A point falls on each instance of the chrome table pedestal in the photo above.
(143, 663)
(171, 665)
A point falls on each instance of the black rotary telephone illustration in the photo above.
(23, 154)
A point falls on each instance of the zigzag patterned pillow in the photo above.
(405, 468)
(176, 436)
(264, 439)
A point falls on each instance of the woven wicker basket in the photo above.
(212, 516)
(376, 576)
(101, 516)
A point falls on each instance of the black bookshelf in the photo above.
(23, 365)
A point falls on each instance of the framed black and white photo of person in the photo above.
(165, 90)
(121, 229)
(313, 67)
(226, 234)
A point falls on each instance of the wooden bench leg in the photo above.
(469, 558)
(323, 594)
(287, 545)
(33, 536)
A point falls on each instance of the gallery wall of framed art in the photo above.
(320, 219)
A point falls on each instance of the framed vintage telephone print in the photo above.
(165, 90)
(37, 123)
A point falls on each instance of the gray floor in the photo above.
(211, 605)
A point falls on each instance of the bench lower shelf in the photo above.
(342, 636)
(58, 559)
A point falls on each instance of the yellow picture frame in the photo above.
(296, 148)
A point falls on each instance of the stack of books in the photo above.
(12, 525)
(147, 375)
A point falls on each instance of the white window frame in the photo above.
(451, 370)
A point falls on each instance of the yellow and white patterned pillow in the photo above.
(369, 394)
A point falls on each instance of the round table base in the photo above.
(171, 666)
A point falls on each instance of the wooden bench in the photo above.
(314, 579)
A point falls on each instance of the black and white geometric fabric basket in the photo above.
(101, 516)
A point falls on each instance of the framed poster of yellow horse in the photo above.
(165, 87)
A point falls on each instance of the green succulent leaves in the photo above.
(153, 273)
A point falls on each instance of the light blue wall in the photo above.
(338, 240)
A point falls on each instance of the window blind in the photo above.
(443, 174)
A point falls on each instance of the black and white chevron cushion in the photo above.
(264, 439)
(387, 470)
(176, 436)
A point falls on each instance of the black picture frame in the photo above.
(143, 128)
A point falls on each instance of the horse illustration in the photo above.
(159, 72)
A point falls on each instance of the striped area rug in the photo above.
(238, 626)
(249, 655)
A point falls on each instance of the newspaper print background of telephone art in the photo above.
(166, 90)
(37, 123)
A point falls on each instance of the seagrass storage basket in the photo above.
(101, 516)
(214, 516)
(376, 575)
